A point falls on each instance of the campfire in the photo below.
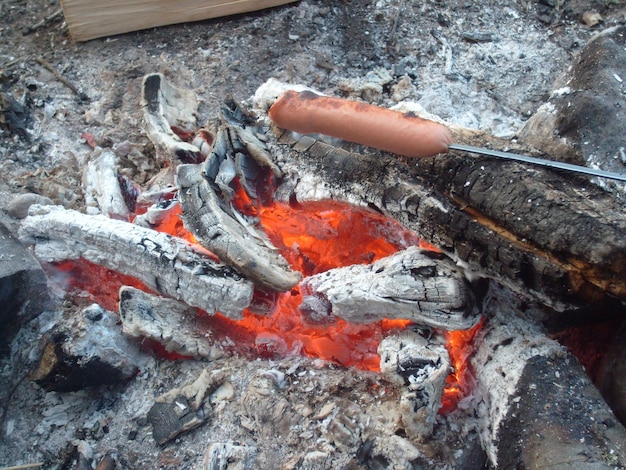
(265, 245)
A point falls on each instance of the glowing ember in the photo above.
(459, 382)
(313, 237)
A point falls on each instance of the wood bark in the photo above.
(166, 264)
(549, 235)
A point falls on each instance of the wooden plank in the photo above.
(90, 19)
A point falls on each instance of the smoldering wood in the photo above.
(101, 186)
(422, 366)
(177, 326)
(246, 250)
(535, 403)
(167, 264)
(544, 234)
(412, 284)
(165, 106)
(86, 350)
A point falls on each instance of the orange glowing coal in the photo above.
(313, 237)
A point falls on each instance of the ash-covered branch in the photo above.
(167, 264)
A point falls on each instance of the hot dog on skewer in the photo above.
(403, 134)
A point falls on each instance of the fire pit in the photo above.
(271, 299)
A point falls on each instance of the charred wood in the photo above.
(166, 106)
(166, 264)
(411, 284)
(422, 366)
(245, 250)
(87, 350)
(175, 325)
(539, 408)
(545, 237)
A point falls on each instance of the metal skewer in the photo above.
(538, 161)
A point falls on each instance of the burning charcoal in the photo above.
(423, 367)
(103, 193)
(243, 247)
(183, 409)
(23, 287)
(226, 456)
(175, 325)
(167, 264)
(165, 107)
(87, 350)
(410, 285)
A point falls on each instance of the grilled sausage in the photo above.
(403, 134)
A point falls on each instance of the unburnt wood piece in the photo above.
(177, 326)
(23, 287)
(534, 230)
(86, 350)
(88, 20)
(237, 243)
(166, 264)
(412, 284)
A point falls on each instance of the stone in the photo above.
(23, 287)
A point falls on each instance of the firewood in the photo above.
(88, 20)
(531, 229)
(411, 284)
(166, 264)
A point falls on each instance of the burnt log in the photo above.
(242, 246)
(532, 229)
(166, 264)
(537, 407)
(411, 284)
(86, 350)
(173, 324)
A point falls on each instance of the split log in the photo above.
(168, 265)
(532, 229)
(411, 284)
(88, 20)
(175, 325)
